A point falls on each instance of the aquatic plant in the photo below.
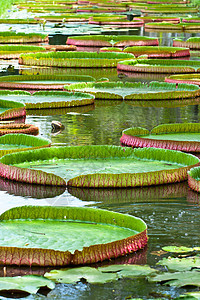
(171, 26)
(182, 137)
(19, 128)
(159, 66)
(7, 37)
(184, 78)
(13, 142)
(158, 52)
(122, 234)
(194, 179)
(11, 110)
(192, 42)
(13, 51)
(74, 59)
(97, 166)
(111, 40)
(136, 91)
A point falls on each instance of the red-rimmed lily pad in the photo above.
(104, 235)
(10, 37)
(173, 27)
(158, 52)
(48, 99)
(159, 66)
(19, 128)
(169, 9)
(111, 40)
(183, 137)
(184, 78)
(97, 166)
(149, 19)
(11, 110)
(192, 42)
(41, 82)
(194, 179)
(74, 59)
(10, 143)
(136, 90)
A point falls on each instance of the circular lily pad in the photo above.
(150, 19)
(111, 40)
(137, 90)
(74, 59)
(97, 166)
(184, 78)
(19, 128)
(11, 110)
(194, 179)
(10, 37)
(184, 137)
(159, 66)
(31, 231)
(19, 142)
(41, 82)
(158, 52)
(172, 26)
(48, 99)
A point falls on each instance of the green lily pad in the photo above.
(28, 283)
(178, 279)
(184, 78)
(183, 137)
(37, 82)
(181, 249)
(48, 99)
(97, 166)
(11, 109)
(74, 275)
(181, 264)
(190, 296)
(136, 91)
(159, 66)
(99, 275)
(13, 51)
(10, 143)
(192, 42)
(28, 237)
(73, 59)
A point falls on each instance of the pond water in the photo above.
(170, 211)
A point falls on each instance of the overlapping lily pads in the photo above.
(112, 40)
(48, 99)
(34, 243)
(11, 37)
(183, 137)
(41, 82)
(97, 166)
(74, 59)
(137, 91)
(159, 66)
(10, 143)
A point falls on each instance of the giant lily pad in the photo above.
(136, 91)
(178, 279)
(184, 78)
(74, 59)
(183, 137)
(11, 110)
(41, 82)
(18, 128)
(150, 19)
(32, 241)
(97, 166)
(22, 38)
(111, 40)
(158, 52)
(192, 42)
(19, 142)
(28, 283)
(169, 9)
(159, 66)
(99, 275)
(194, 179)
(171, 26)
(14, 51)
(115, 22)
(48, 99)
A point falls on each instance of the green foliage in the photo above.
(181, 264)
(176, 127)
(136, 131)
